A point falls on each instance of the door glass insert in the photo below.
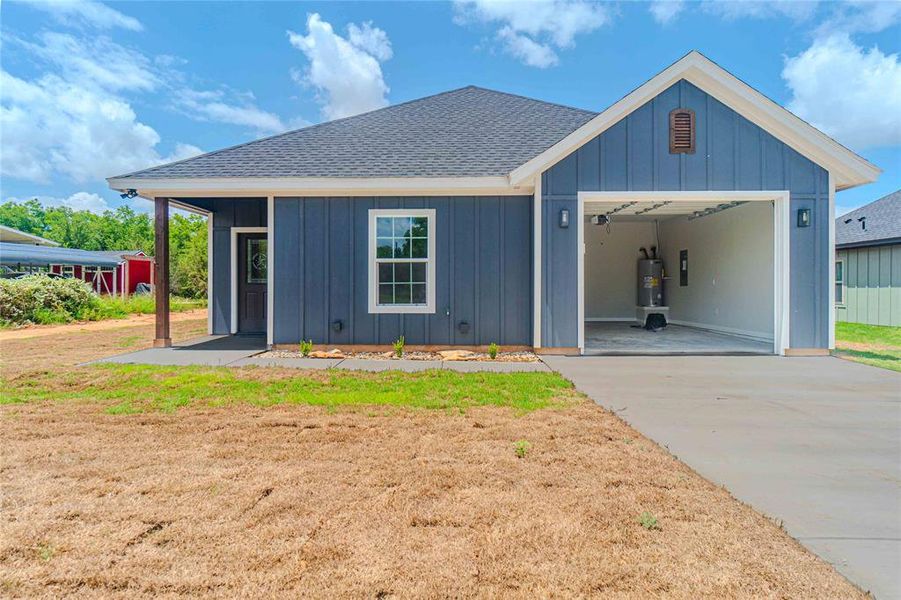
(256, 260)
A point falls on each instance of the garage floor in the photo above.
(622, 338)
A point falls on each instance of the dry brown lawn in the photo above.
(365, 502)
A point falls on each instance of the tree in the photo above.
(119, 229)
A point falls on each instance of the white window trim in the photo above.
(374, 306)
(839, 261)
(233, 324)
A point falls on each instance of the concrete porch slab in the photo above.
(210, 351)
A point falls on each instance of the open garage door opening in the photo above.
(684, 273)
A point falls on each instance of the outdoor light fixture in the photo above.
(128, 194)
(803, 217)
(564, 218)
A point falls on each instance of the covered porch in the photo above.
(238, 263)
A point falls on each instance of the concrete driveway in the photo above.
(814, 442)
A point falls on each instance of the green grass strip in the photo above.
(137, 388)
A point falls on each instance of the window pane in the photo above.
(418, 293)
(420, 227)
(402, 272)
(383, 227)
(838, 271)
(402, 226)
(386, 273)
(383, 247)
(386, 294)
(402, 293)
(401, 248)
(838, 293)
(256, 260)
(420, 248)
(418, 272)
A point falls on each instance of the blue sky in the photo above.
(90, 90)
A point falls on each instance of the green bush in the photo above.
(40, 299)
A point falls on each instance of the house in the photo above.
(868, 263)
(476, 216)
(109, 272)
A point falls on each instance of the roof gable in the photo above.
(847, 168)
(882, 218)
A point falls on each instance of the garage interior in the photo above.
(705, 268)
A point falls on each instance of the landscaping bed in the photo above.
(450, 355)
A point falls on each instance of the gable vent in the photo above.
(682, 131)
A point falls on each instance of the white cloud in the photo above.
(87, 12)
(797, 10)
(74, 120)
(371, 39)
(98, 62)
(180, 152)
(530, 31)
(665, 11)
(861, 16)
(851, 93)
(215, 106)
(527, 50)
(345, 72)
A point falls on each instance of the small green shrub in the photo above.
(521, 448)
(399, 347)
(306, 346)
(492, 350)
(648, 521)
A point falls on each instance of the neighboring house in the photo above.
(868, 263)
(108, 272)
(475, 216)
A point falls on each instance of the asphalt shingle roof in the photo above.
(883, 219)
(469, 132)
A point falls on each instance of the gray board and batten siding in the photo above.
(731, 154)
(483, 272)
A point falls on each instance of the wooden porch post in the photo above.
(161, 289)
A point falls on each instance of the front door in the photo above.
(252, 254)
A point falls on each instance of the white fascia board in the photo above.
(319, 186)
(849, 169)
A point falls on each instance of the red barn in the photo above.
(133, 267)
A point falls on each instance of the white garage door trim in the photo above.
(781, 247)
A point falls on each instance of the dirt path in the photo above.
(45, 330)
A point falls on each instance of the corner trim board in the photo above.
(270, 270)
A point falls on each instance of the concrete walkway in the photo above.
(814, 442)
(244, 351)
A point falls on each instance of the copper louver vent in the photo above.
(682, 131)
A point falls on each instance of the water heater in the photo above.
(650, 282)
